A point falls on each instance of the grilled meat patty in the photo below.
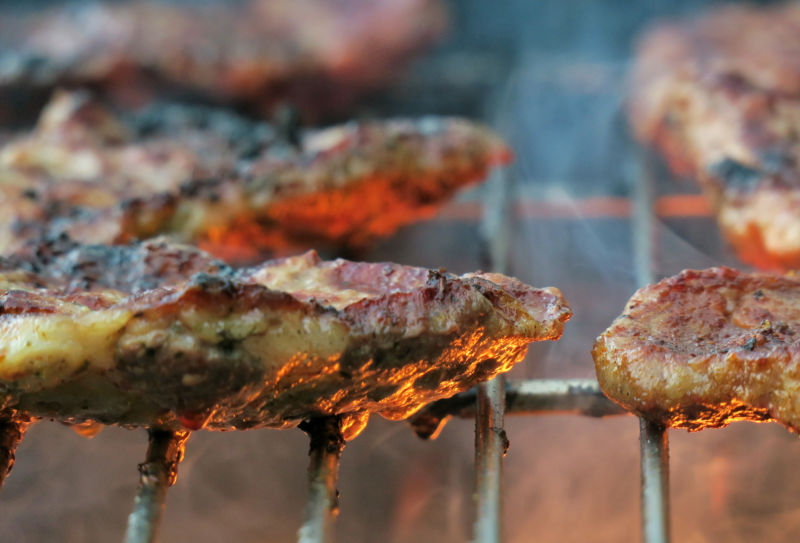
(720, 97)
(232, 186)
(318, 54)
(163, 335)
(705, 348)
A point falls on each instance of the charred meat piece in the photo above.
(163, 335)
(230, 185)
(705, 348)
(317, 54)
(719, 96)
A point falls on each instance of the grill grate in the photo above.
(655, 481)
(491, 442)
(488, 404)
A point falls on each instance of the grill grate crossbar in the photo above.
(488, 403)
(523, 397)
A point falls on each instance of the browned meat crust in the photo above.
(12, 430)
(318, 54)
(230, 185)
(705, 348)
(163, 335)
(720, 97)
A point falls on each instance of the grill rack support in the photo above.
(654, 443)
(491, 444)
(325, 451)
(158, 472)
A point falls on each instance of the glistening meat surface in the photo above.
(163, 335)
(705, 348)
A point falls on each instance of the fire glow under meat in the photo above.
(230, 185)
(705, 348)
(163, 335)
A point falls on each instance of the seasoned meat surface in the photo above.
(164, 335)
(719, 96)
(704, 348)
(236, 188)
(317, 54)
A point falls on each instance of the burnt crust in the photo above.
(706, 348)
(177, 339)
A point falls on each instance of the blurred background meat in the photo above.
(237, 187)
(319, 55)
(719, 97)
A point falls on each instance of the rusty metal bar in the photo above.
(529, 397)
(158, 472)
(12, 430)
(652, 436)
(491, 445)
(325, 451)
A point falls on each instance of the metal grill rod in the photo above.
(325, 451)
(652, 436)
(655, 481)
(158, 472)
(491, 445)
(528, 397)
(491, 442)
